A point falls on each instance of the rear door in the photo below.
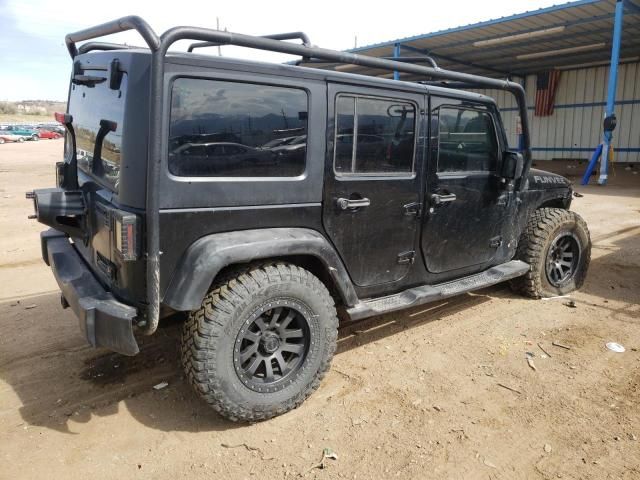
(371, 195)
(465, 201)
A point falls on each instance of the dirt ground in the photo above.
(415, 394)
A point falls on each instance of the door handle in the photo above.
(346, 203)
(437, 199)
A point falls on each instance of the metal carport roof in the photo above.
(574, 34)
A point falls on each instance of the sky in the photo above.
(34, 63)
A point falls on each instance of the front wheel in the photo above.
(557, 245)
(35, 138)
(1, 141)
(261, 342)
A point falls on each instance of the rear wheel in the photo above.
(1, 141)
(35, 138)
(557, 245)
(21, 139)
(261, 342)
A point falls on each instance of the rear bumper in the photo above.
(104, 321)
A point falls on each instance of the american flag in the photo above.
(546, 86)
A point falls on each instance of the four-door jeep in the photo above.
(263, 199)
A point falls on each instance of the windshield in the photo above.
(89, 104)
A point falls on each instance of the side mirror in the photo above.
(512, 165)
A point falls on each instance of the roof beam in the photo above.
(508, 46)
(486, 68)
(628, 50)
(487, 23)
(572, 23)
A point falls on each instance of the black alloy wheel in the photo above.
(272, 345)
(562, 259)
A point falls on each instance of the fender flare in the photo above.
(204, 259)
(562, 196)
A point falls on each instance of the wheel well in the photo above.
(308, 262)
(554, 203)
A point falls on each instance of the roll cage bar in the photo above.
(207, 37)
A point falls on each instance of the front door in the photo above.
(465, 202)
(371, 197)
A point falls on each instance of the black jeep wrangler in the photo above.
(264, 198)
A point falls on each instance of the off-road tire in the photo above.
(210, 333)
(545, 225)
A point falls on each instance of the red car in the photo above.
(42, 133)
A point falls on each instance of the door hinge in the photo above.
(405, 258)
(495, 242)
(412, 209)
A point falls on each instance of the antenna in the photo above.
(284, 117)
(218, 28)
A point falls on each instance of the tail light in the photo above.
(126, 235)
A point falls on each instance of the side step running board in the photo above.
(430, 293)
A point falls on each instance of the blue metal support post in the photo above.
(611, 91)
(396, 54)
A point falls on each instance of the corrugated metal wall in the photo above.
(575, 128)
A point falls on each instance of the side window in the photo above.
(467, 141)
(231, 129)
(374, 136)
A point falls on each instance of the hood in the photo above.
(540, 179)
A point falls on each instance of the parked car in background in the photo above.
(278, 142)
(7, 136)
(26, 132)
(53, 127)
(48, 134)
(202, 159)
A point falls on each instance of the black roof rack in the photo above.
(159, 47)
(91, 46)
(276, 36)
(411, 59)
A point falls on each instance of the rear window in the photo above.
(89, 104)
(232, 129)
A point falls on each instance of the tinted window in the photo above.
(88, 105)
(466, 141)
(383, 131)
(236, 129)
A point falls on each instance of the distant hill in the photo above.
(30, 111)
(32, 107)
